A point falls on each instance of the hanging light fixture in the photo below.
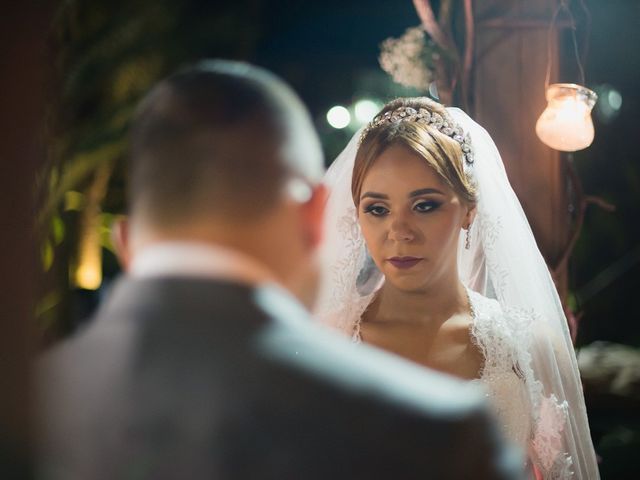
(566, 123)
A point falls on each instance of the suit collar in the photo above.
(201, 260)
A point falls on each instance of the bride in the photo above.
(429, 255)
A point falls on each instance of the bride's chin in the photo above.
(407, 284)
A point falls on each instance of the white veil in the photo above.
(503, 263)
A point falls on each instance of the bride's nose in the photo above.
(400, 231)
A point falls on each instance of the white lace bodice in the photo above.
(516, 397)
(501, 376)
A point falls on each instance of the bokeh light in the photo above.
(365, 110)
(608, 108)
(338, 117)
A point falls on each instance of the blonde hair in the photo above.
(440, 152)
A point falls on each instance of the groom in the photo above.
(202, 362)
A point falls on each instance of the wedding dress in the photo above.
(530, 372)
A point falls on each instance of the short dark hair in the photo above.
(211, 139)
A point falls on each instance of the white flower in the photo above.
(406, 59)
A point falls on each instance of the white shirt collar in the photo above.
(194, 259)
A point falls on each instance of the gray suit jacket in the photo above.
(182, 378)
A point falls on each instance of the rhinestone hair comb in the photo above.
(443, 123)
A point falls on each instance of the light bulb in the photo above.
(566, 124)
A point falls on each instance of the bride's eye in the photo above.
(376, 210)
(426, 206)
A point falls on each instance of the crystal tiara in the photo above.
(443, 123)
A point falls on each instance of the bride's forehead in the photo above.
(400, 166)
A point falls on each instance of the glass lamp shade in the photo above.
(566, 124)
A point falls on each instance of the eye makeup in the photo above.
(375, 209)
(426, 206)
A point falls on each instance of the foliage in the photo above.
(105, 55)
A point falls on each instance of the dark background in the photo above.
(104, 55)
(107, 54)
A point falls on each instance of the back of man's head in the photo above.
(219, 140)
(225, 154)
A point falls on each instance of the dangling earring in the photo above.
(467, 240)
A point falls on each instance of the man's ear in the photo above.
(313, 211)
(120, 240)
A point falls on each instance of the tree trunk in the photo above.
(508, 97)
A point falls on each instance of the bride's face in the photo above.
(411, 220)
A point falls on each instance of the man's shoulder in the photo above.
(330, 357)
(266, 325)
(156, 308)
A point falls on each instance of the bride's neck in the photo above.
(436, 303)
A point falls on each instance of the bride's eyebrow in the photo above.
(380, 196)
(425, 191)
(415, 193)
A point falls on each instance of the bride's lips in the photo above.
(404, 262)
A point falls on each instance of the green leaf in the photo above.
(46, 254)
(74, 201)
(57, 230)
(45, 306)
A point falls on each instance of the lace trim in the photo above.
(504, 338)
(344, 274)
(547, 442)
(497, 337)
